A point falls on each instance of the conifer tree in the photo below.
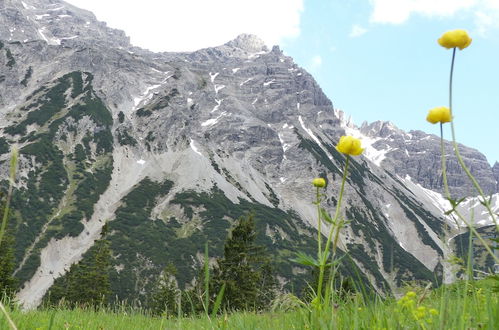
(8, 283)
(87, 283)
(245, 270)
(164, 300)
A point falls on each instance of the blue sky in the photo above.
(375, 59)
(396, 72)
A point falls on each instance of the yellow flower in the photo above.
(411, 294)
(433, 311)
(439, 114)
(455, 38)
(349, 145)
(319, 182)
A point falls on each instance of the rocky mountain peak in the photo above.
(379, 129)
(57, 23)
(249, 43)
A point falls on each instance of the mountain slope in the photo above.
(171, 148)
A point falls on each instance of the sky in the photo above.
(375, 59)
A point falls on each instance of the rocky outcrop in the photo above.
(495, 170)
(418, 155)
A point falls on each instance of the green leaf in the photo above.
(218, 302)
(326, 217)
(206, 279)
(454, 204)
(485, 202)
(305, 259)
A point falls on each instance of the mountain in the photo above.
(171, 148)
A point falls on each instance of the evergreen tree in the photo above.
(8, 283)
(245, 270)
(87, 283)
(164, 300)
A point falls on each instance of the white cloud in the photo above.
(399, 11)
(488, 18)
(357, 31)
(193, 24)
(484, 12)
(315, 62)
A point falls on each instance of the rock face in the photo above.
(417, 155)
(495, 170)
(171, 148)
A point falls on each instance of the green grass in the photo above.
(459, 306)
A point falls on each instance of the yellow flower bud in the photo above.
(439, 114)
(455, 38)
(411, 294)
(319, 182)
(349, 146)
(433, 311)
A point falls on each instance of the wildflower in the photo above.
(411, 294)
(455, 38)
(349, 145)
(439, 114)
(319, 182)
(433, 311)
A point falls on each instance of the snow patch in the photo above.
(49, 40)
(244, 82)
(145, 96)
(215, 108)
(26, 6)
(56, 9)
(218, 88)
(193, 147)
(269, 82)
(213, 121)
(469, 208)
(374, 155)
(213, 76)
(256, 55)
(141, 162)
(235, 70)
(284, 145)
(39, 17)
(311, 134)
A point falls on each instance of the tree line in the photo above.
(244, 275)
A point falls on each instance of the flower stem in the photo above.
(9, 320)
(337, 212)
(486, 202)
(319, 237)
(323, 259)
(444, 165)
